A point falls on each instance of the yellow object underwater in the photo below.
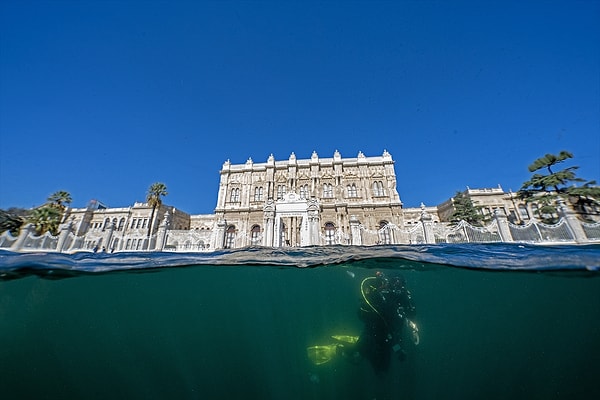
(322, 354)
(345, 338)
(325, 353)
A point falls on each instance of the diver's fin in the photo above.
(325, 353)
(347, 339)
(322, 354)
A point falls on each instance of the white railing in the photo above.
(534, 231)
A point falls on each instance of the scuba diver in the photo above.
(386, 307)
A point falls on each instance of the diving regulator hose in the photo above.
(411, 324)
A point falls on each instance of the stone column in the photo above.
(269, 222)
(161, 235)
(427, 221)
(277, 232)
(355, 231)
(65, 230)
(503, 228)
(20, 242)
(314, 228)
(220, 235)
(108, 236)
(572, 222)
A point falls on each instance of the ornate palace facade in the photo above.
(302, 202)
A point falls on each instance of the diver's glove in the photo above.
(414, 331)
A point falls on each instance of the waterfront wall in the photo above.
(568, 229)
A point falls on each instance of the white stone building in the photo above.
(302, 202)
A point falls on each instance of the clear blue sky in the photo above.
(101, 99)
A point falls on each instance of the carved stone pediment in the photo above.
(281, 178)
(303, 175)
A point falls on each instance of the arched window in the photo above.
(121, 224)
(327, 190)
(230, 237)
(352, 191)
(255, 235)
(385, 236)
(304, 192)
(329, 233)
(378, 188)
(106, 223)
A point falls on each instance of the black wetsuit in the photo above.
(385, 306)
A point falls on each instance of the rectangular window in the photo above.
(280, 192)
(235, 195)
(229, 240)
(523, 212)
(258, 193)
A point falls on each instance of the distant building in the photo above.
(518, 211)
(486, 200)
(123, 228)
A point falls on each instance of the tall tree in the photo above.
(154, 198)
(12, 221)
(60, 199)
(48, 216)
(465, 210)
(546, 189)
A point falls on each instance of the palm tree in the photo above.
(45, 219)
(60, 199)
(155, 192)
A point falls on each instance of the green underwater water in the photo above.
(241, 332)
